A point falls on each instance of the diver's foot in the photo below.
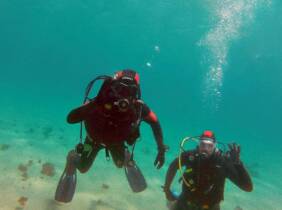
(67, 183)
(73, 159)
(128, 161)
(133, 174)
(66, 188)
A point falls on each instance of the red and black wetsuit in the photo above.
(108, 126)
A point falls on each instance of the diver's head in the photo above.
(207, 144)
(126, 84)
(129, 76)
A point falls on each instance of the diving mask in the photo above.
(206, 147)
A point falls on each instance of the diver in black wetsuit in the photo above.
(206, 169)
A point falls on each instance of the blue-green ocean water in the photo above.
(211, 64)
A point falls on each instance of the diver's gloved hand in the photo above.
(168, 194)
(160, 159)
(234, 153)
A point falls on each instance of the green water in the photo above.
(203, 65)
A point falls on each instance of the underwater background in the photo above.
(209, 64)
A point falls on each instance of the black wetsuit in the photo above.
(206, 179)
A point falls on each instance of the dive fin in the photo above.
(134, 176)
(67, 184)
(66, 188)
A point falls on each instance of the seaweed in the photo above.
(22, 200)
(23, 168)
(48, 169)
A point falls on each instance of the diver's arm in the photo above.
(173, 167)
(150, 117)
(79, 114)
(238, 174)
(156, 127)
(170, 174)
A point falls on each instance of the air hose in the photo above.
(181, 150)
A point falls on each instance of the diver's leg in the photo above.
(122, 157)
(88, 156)
(82, 161)
(67, 183)
(118, 154)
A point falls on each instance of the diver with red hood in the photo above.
(111, 120)
(205, 170)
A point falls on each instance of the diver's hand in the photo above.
(160, 159)
(234, 153)
(168, 194)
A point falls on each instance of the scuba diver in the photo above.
(112, 120)
(203, 178)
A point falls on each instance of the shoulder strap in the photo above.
(90, 85)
